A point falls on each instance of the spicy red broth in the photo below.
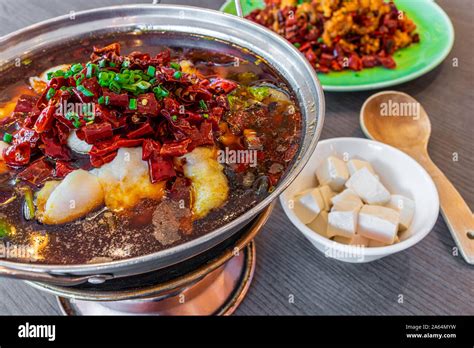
(136, 145)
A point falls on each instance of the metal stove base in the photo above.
(218, 293)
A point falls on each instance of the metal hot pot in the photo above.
(166, 20)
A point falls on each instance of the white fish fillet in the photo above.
(125, 180)
(210, 186)
(76, 195)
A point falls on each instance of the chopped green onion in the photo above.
(101, 100)
(177, 75)
(297, 44)
(49, 75)
(143, 85)
(76, 68)
(205, 115)
(76, 123)
(7, 137)
(51, 93)
(102, 63)
(90, 70)
(114, 87)
(71, 115)
(74, 117)
(89, 117)
(151, 71)
(123, 78)
(133, 104)
(107, 100)
(130, 88)
(112, 65)
(85, 91)
(174, 118)
(320, 40)
(202, 104)
(175, 66)
(160, 92)
(125, 64)
(105, 78)
(152, 81)
(145, 77)
(135, 77)
(79, 78)
(58, 73)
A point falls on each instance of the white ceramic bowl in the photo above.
(398, 172)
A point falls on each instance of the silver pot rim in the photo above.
(313, 114)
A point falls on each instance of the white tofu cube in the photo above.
(320, 224)
(308, 204)
(354, 165)
(346, 200)
(368, 187)
(378, 223)
(406, 208)
(342, 223)
(357, 239)
(327, 195)
(332, 172)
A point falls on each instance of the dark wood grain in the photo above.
(428, 276)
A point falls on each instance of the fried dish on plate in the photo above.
(340, 34)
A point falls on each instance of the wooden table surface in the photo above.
(428, 277)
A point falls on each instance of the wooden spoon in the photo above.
(397, 119)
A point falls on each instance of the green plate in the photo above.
(436, 35)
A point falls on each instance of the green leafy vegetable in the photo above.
(5, 228)
(259, 93)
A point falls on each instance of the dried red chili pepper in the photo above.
(149, 147)
(17, 155)
(175, 149)
(45, 119)
(26, 135)
(52, 148)
(160, 168)
(97, 161)
(221, 85)
(182, 115)
(62, 169)
(97, 131)
(37, 172)
(145, 129)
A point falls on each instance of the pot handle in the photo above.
(62, 280)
